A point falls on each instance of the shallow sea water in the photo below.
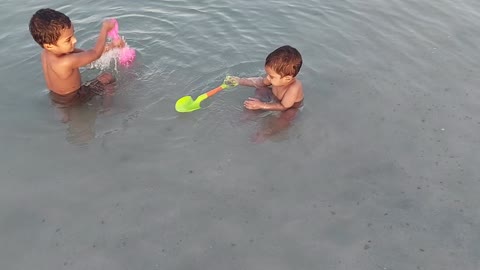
(380, 171)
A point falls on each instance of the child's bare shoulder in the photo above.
(297, 86)
(296, 90)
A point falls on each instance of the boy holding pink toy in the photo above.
(61, 61)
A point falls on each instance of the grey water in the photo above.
(380, 171)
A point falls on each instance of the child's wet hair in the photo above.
(46, 25)
(286, 61)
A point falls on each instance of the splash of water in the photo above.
(107, 60)
(113, 57)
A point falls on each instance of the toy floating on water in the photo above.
(187, 104)
(127, 54)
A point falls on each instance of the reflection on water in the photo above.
(271, 124)
(80, 118)
(276, 124)
(81, 124)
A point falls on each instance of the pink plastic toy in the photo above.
(127, 54)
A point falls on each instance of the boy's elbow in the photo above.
(284, 107)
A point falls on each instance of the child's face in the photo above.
(276, 79)
(65, 43)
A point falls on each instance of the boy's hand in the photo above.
(118, 43)
(231, 81)
(253, 104)
(108, 24)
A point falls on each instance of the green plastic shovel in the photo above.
(187, 104)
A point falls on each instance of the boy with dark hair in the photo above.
(61, 61)
(282, 66)
(280, 87)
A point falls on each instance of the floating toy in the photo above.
(187, 104)
(126, 54)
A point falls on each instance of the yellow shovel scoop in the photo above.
(187, 104)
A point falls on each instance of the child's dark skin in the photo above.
(61, 61)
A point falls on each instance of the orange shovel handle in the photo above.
(215, 90)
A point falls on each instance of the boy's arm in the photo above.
(286, 103)
(253, 82)
(80, 59)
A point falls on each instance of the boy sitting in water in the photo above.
(61, 61)
(280, 87)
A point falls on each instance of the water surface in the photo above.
(379, 172)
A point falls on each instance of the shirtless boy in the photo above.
(283, 91)
(61, 61)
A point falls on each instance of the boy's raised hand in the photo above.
(108, 24)
(116, 43)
